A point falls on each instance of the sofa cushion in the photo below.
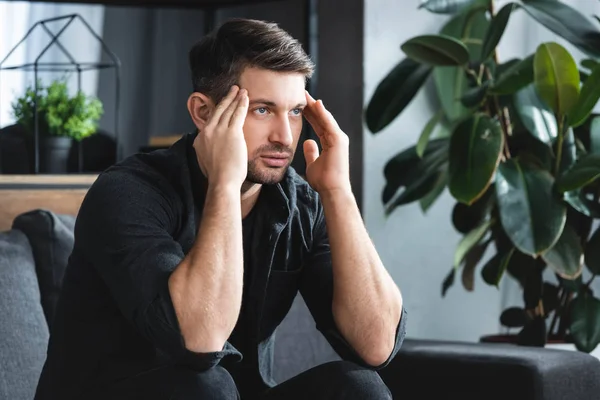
(23, 329)
(51, 238)
(299, 346)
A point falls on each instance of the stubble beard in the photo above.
(264, 175)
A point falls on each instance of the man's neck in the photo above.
(249, 193)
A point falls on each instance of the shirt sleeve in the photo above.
(123, 229)
(316, 288)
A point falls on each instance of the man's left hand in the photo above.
(328, 171)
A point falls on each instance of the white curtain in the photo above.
(16, 18)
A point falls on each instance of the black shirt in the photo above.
(115, 319)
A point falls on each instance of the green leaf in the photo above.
(590, 93)
(467, 217)
(451, 82)
(514, 317)
(520, 266)
(407, 167)
(470, 240)
(585, 171)
(471, 260)
(535, 115)
(429, 199)
(446, 6)
(531, 214)
(569, 151)
(589, 64)
(556, 77)
(473, 97)
(595, 135)
(415, 191)
(496, 30)
(585, 322)
(424, 137)
(494, 269)
(394, 93)
(438, 50)
(448, 281)
(578, 200)
(572, 285)
(418, 176)
(592, 253)
(566, 256)
(583, 76)
(475, 149)
(550, 298)
(517, 76)
(567, 22)
(534, 288)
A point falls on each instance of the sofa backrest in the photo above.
(23, 328)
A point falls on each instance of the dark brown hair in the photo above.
(218, 59)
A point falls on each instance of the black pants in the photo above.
(335, 380)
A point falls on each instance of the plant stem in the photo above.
(474, 75)
(504, 114)
(499, 112)
(556, 313)
(565, 315)
(587, 285)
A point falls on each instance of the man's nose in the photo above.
(282, 132)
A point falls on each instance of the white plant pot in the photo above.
(571, 347)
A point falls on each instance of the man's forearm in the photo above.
(366, 302)
(206, 288)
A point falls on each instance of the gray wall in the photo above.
(153, 45)
(416, 249)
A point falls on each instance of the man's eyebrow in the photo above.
(273, 104)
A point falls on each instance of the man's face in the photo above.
(274, 121)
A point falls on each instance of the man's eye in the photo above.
(261, 110)
(297, 111)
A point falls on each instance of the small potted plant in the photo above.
(519, 151)
(62, 119)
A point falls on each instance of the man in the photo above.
(187, 259)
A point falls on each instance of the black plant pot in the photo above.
(54, 154)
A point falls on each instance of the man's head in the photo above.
(272, 66)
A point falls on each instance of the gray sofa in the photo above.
(34, 253)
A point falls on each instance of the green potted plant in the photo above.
(518, 149)
(62, 119)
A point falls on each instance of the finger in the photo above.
(325, 116)
(311, 151)
(313, 121)
(239, 115)
(226, 117)
(309, 99)
(224, 103)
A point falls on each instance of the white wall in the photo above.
(418, 249)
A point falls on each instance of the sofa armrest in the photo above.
(489, 371)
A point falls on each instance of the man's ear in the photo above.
(200, 107)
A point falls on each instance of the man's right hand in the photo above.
(220, 146)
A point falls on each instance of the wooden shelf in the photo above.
(43, 181)
(61, 194)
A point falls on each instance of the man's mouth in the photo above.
(275, 159)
